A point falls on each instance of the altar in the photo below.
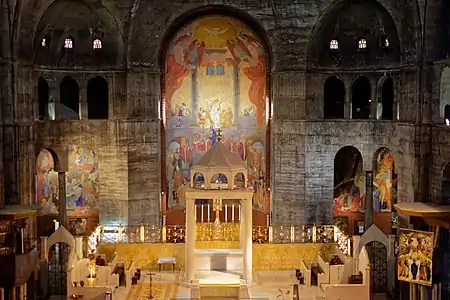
(220, 175)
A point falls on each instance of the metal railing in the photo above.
(321, 234)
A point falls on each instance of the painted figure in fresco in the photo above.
(47, 184)
(383, 181)
(414, 270)
(215, 46)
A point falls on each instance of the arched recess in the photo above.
(384, 180)
(83, 22)
(239, 180)
(69, 96)
(361, 97)
(222, 52)
(47, 187)
(199, 180)
(333, 98)
(347, 22)
(349, 181)
(386, 93)
(444, 97)
(219, 178)
(445, 187)
(97, 98)
(43, 98)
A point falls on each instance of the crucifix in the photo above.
(150, 294)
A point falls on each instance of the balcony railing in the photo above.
(322, 234)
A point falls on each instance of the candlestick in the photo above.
(239, 213)
(226, 213)
(202, 217)
(208, 214)
(232, 212)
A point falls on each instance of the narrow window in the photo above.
(334, 45)
(68, 43)
(97, 44)
(362, 44)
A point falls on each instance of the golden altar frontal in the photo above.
(265, 256)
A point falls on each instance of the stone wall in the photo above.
(303, 145)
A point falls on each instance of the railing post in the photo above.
(292, 234)
(270, 234)
(314, 233)
(164, 234)
(142, 233)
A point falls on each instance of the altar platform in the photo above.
(228, 260)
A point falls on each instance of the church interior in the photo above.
(240, 149)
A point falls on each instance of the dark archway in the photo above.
(58, 259)
(387, 99)
(378, 267)
(333, 98)
(349, 181)
(445, 188)
(69, 95)
(447, 114)
(97, 98)
(43, 97)
(361, 96)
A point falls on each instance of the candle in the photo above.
(202, 217)
(348, 247)
(195, 213)
(226, 213)
(208, 213)
(239, 213)
(232, 213)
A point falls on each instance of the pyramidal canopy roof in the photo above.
(219, 156)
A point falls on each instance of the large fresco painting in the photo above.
(82, 183)
(415, 256)
(384, 181)
(215, 81)
(349, 181)
(47, 184)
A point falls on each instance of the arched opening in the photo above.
(43, 97)
(47, 188)
(334, 98)
(69, 95)
(199, 180)
(378, 267)
(349, 181)
(445, 188)
(387, 99)
(384, 180)
(58, 259)
(361, 96)
(219, 178)
(225, 53)
(447, 114)
(97, 98)
(239, 180)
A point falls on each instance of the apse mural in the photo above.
(384, 181)
(82, 183)
(349, 181)
(215, 82)
(47, 184)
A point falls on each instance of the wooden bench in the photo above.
(167, 261)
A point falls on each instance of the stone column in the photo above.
(79, 246)
(44, 254)
(348, 103)
(368, 219)
(248, 258)
(191, 230)
(62, 199)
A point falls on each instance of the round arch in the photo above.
(207, 10)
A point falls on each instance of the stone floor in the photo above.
(268, 285)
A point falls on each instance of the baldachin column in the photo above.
(189, 271)
(248, 257)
